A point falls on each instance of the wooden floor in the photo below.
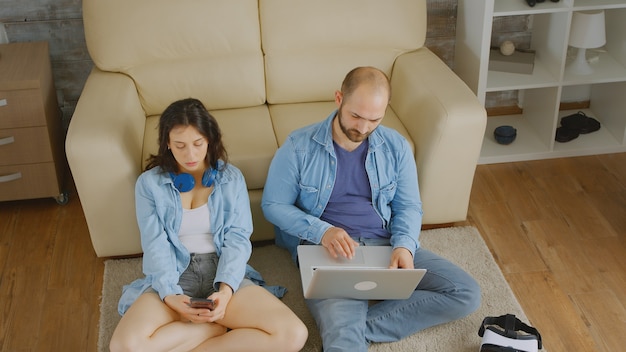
(557, 228)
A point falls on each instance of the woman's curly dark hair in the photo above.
(187, 112)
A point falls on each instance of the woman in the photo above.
(194, 217)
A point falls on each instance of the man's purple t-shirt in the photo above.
(350, 204)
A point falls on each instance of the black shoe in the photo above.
(581, 122)
(565, 134)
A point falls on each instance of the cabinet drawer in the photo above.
(24, 146)
(28, 181)
(21, 108)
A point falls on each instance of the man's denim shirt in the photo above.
(159, 215)
(302, 175)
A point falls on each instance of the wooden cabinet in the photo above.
(541, 93)
(32, 162)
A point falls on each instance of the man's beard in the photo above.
(352, 134)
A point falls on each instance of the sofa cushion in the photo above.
(249, 140)
(288, 117)
(247, 135)
(310, 45)
(210, 50)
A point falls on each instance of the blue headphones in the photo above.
(184, 182)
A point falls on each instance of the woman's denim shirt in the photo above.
(302, 176)
(159, 215)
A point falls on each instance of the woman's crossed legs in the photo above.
(255, 320)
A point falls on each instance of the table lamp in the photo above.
(587, 31)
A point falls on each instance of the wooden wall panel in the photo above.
(38, 10)
(441, 18)
(66, 37)
(441, 29)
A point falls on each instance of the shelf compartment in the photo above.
(534, 126)
(607, 101)
(609, 62)
(580, 5)
(528, 145)
(607, 105)
(616, 34)
(598, 142)
(548, 37)
(517, 7)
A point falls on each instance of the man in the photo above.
(345, 182)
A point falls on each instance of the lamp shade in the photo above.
(587, 29)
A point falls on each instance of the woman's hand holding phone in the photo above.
(182, 305)
(201, 310)
(220, 299)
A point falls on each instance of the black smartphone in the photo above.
(202, 303)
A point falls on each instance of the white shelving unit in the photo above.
(541, 92)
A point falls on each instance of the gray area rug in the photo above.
(462, 245)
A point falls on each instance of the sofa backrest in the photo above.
(242, 53)
(209, 49)
(309, 46)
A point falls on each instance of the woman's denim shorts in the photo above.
(197, 280)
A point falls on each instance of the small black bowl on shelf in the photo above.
(505, 134)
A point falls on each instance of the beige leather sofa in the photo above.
(263, 68)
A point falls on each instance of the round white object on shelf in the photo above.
(507, 48)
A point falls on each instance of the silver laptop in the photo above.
(366, 276)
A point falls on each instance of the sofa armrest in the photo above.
(447, 124)
(104, 150)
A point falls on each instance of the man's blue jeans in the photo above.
(446, 293)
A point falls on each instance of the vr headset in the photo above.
(507, 333)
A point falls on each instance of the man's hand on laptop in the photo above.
(401, 258)
(338, 243)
